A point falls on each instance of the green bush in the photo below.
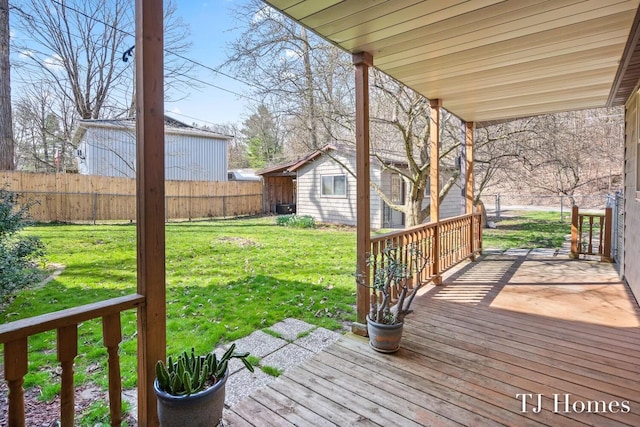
(304, 221)
(18, 254)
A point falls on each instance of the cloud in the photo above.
(53, 62)
(176, 110)
(26, 54)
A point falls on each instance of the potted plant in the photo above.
(397, 277)
(191, 390)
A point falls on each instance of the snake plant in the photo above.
(190, 374)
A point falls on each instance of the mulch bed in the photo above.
(47, 414)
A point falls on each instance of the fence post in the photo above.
(224, 206)
(561, 208)
(95, 208)
(574, 233)
(606, 248)
(497, 206)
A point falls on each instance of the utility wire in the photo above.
(193, 61)
(128, 53)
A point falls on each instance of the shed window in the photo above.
(334, 185)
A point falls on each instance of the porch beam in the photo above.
(150, 202)
(434, 178)
(362, 61)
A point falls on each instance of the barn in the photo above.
(108, 148)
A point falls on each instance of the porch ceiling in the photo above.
(488, 60)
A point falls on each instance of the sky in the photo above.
(211, 23)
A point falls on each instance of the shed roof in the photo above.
(490, 60)
(172, 126)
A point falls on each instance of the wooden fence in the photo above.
(72, 197)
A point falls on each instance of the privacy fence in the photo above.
(72, 197)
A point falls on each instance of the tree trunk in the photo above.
(311, 104)
(414, 213)
(6, 124)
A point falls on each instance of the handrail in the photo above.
(459, 238)
(589, 230)
(14, 336)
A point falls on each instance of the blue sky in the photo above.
(211, 26)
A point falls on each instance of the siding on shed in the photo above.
(394, 219)
(342, 210)
(339, 210)
(189, 156)
(453, 203)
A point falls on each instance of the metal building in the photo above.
(107, 148)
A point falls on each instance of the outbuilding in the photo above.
(108, 148)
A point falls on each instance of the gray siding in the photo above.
(631, 266)
(453, 203)
(393, 218)
(189, 156)
(332, 209)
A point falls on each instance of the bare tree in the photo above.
(6, 129)
(401, 121)
(310, 84)
(44, 122)
(563, 154)
(303, 80)
(79, 46)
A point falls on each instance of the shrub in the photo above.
(304, 221)
(18, 254)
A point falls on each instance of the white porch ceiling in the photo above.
(488, 60)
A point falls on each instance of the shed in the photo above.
(320, 185)
(279, 184)
(108, 148)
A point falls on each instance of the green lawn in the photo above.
(527, 229)
(225, 279)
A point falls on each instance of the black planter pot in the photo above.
(202, 409)
(384, 338)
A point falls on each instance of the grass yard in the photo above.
(225, 279)
(527, 229)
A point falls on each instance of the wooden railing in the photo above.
(14, 336)
(456, 238)
(591, 234)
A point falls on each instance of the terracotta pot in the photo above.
(202, 409)
(384, 338)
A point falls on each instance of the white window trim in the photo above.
(334, 196)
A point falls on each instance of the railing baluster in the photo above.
(601, 233)
(14, 336)
(15, 368)
(580, 251)
(444, 244)
(112, 333)
(590, 248)
(67, 352)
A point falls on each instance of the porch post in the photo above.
(469, 127)
(468, 184)
(362, 62)
(150, 202)
(434, 189)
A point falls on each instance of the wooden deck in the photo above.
(499, 328)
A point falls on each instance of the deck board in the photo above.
(493, 330)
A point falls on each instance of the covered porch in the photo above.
(499, 332)
(499, 328)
